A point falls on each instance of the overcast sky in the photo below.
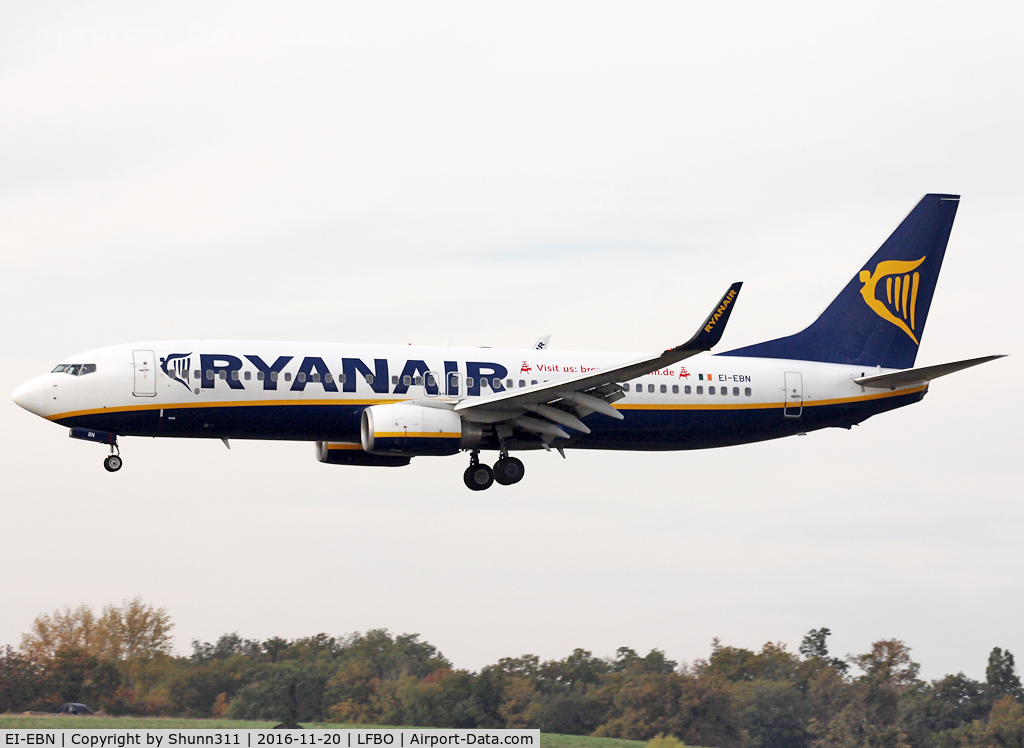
(402, 173)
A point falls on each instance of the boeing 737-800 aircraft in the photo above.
(383, 405)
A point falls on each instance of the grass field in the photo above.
(22, 722)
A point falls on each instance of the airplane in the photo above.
(382, 405)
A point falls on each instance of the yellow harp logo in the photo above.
(900, 303)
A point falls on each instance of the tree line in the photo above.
(121, 661)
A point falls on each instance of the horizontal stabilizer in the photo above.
(919, 376)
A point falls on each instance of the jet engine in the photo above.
(348, 453)
(402, 429)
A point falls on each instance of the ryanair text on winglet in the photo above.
(720, 311)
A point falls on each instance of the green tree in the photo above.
(875, 705)
(83, 677)
(814, 646)
(24, 683)
(1001, 675)
(290, 691)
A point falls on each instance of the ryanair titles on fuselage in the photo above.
(315, 370)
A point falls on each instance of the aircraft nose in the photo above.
(30, 396)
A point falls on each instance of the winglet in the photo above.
(711, 331)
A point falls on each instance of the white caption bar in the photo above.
(75, 737)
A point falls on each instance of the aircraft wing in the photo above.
(920, 376)
(564, 401)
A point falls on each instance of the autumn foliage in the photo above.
(121, 661)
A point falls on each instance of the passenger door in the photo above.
(145, 374)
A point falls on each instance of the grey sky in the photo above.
(406, 173)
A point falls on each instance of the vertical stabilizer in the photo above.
(879, 318)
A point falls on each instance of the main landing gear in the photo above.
(507, 470)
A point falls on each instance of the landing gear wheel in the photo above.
(112, 463)
(509, 470)
(478, 477)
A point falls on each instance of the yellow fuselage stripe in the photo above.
(219, 404)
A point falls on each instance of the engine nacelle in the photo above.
(401, 429)
(347, 453)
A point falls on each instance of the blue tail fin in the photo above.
(879, 317)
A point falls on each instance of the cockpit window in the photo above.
(75, 370)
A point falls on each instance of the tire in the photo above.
(112, 463)
(509, 470)
(478, 477)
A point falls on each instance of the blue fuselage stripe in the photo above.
(654, 429)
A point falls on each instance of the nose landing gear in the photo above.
(479, 477)
(113, 461)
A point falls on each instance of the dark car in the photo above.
(74, 708)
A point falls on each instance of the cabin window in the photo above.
(483, 383)
(650, 388)
(209, 374)
(273, 376)
(469, 381)
(406, 380)
(369, 378)
(686, 390)
(287, 376)
(315, 376)
(675, 389)
(735, 391)
(725, 391)
(234, 375)
(394, 379)
(711, 390)
(533, 381)
(198, 374)
(496, 383)
(248, 376)
(700, 389)
(418, 381)
(342, 378)
(664, 389)
(746, 391)
(625, 387)
(508, 383)
(430, 380)
(260, 376)
(329, 378)
(223, 374)
(522, 382)
(301, 376)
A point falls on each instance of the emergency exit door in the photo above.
(145, 374)
(794, 395)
